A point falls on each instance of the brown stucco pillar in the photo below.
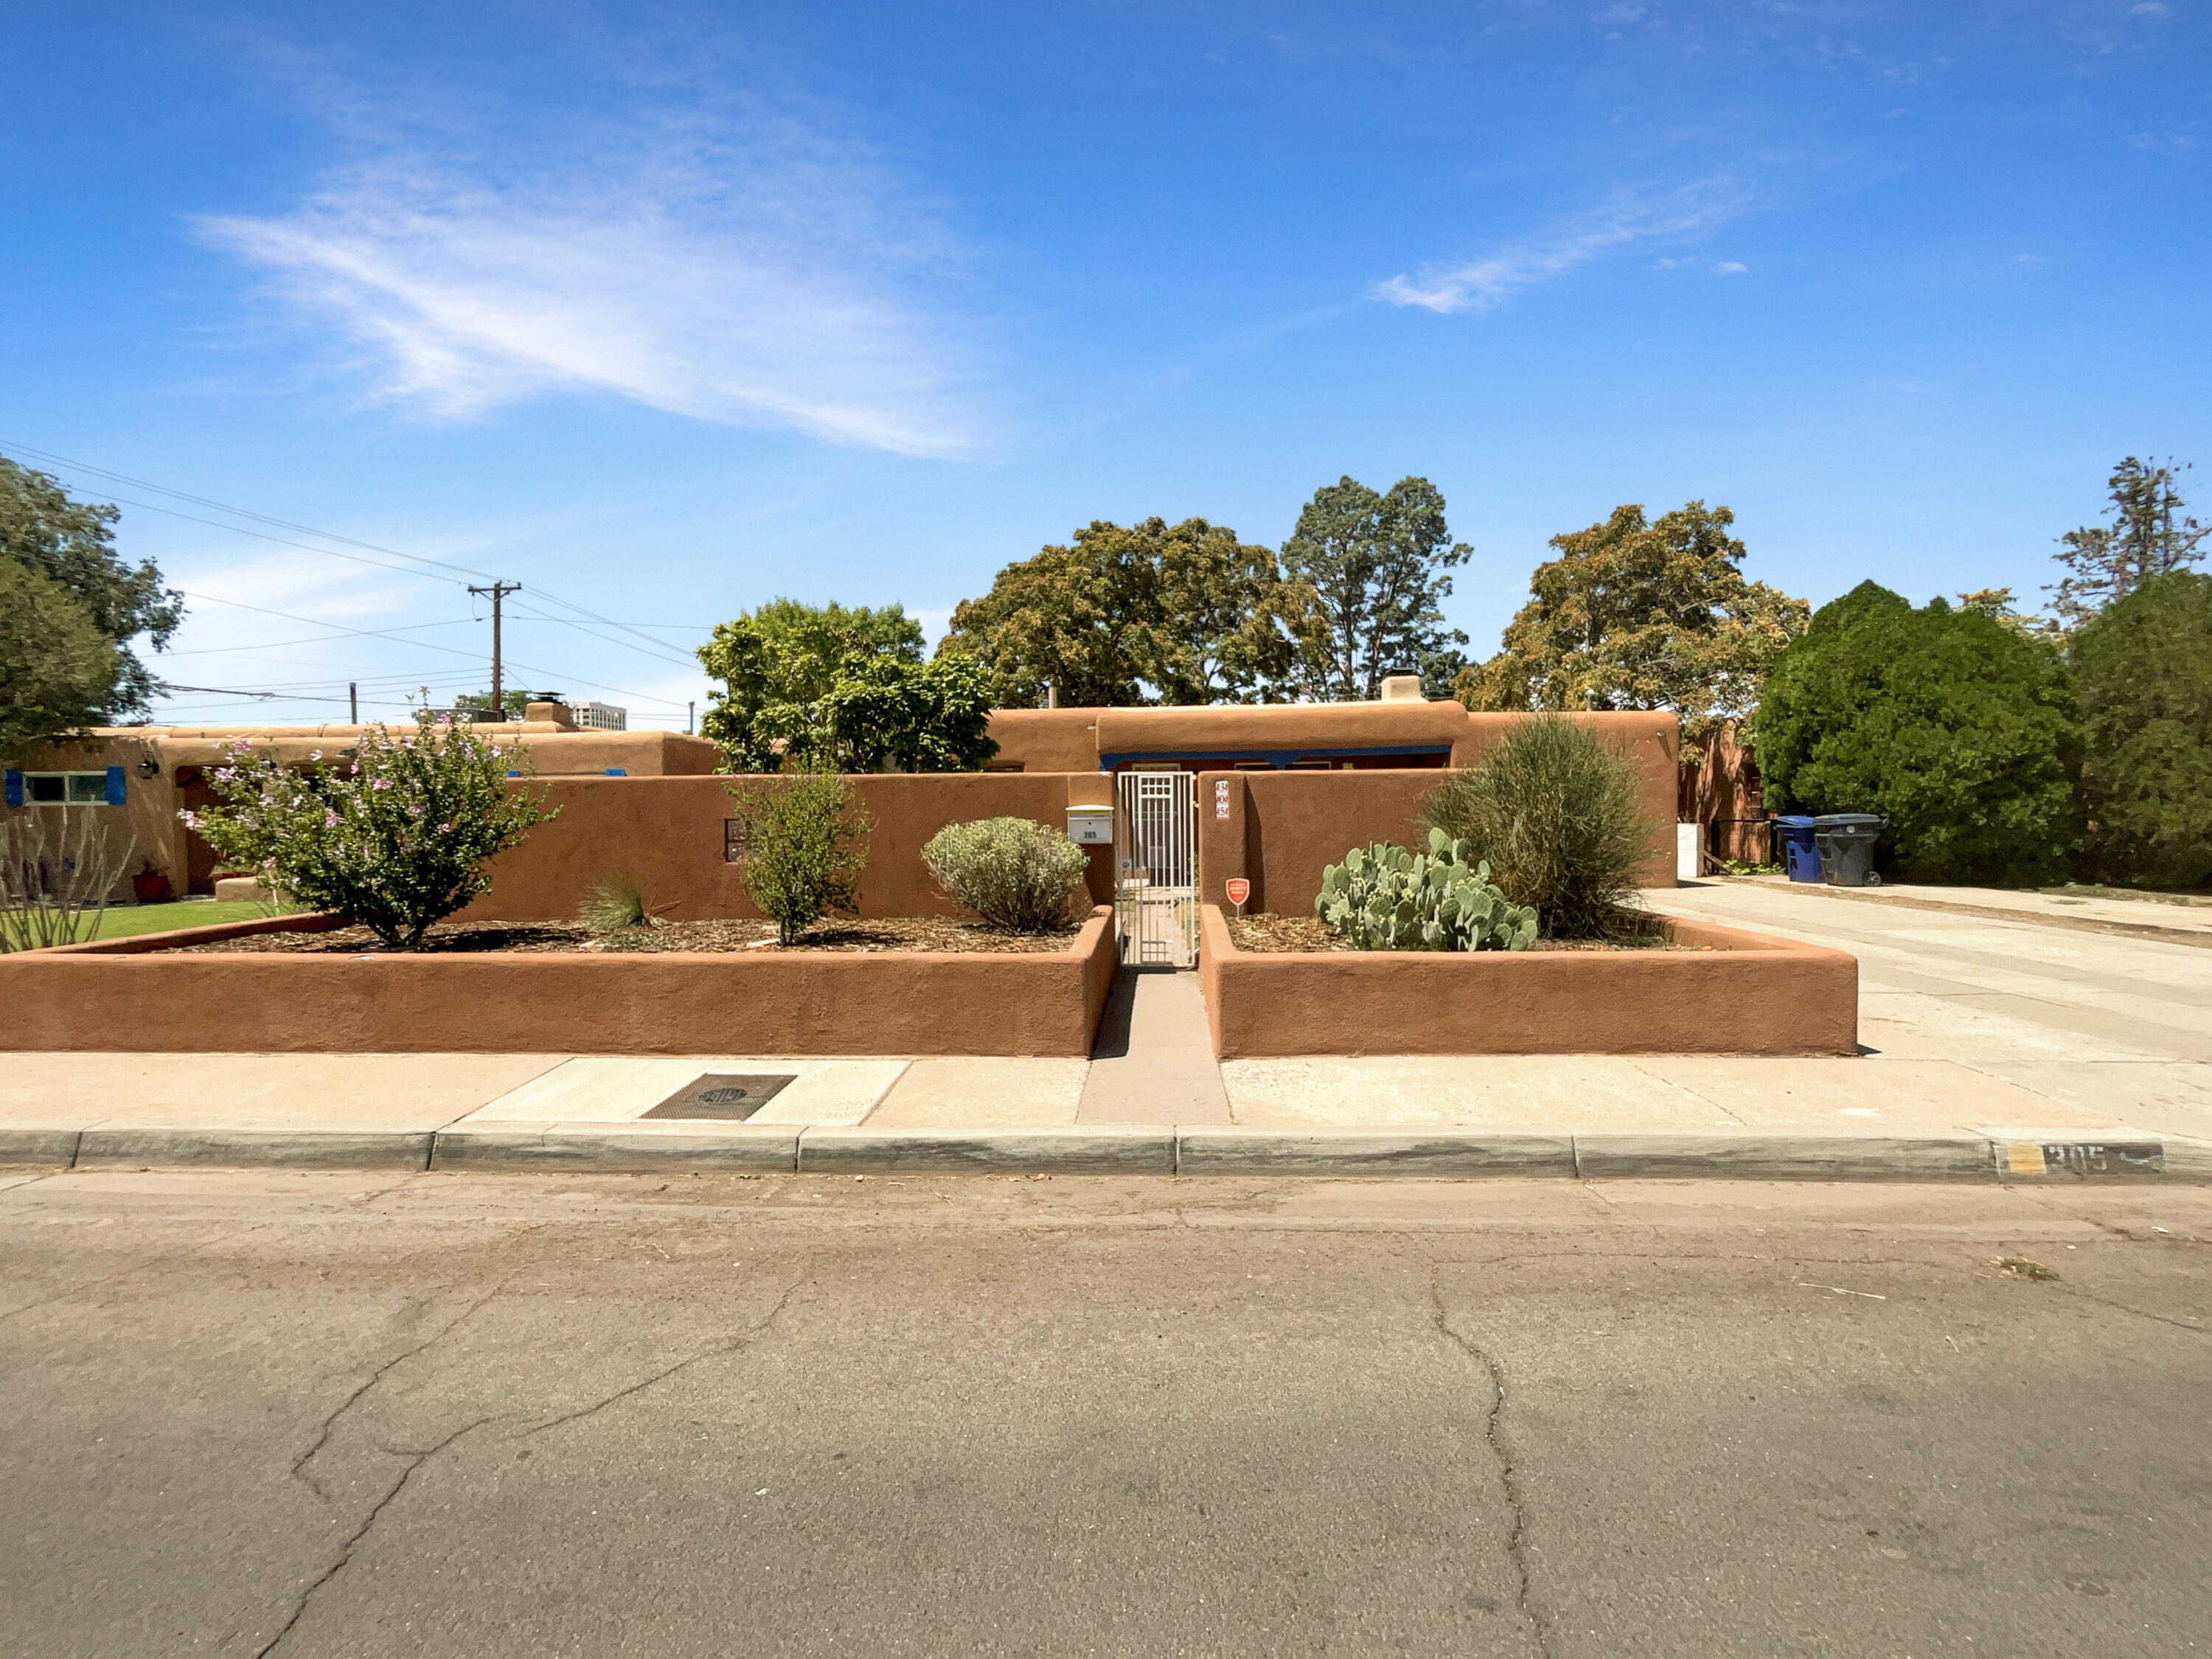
(1224, 812)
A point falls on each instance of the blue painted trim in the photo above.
(15, 787)
(618, 771)
(1278, 758)
(117, 789)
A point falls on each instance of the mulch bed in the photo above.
(1273, 935)
(895, 933)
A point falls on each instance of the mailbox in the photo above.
(1090, 826)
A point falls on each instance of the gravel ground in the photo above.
(895, 933)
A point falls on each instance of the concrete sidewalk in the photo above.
(1998, 1045)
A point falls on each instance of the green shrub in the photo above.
(804, 848)
(1382, 897)
(1554, 814)
(394, 835)
(2143, 670)
(1958, 730)
(1014, 873)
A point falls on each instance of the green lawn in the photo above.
(178, 913)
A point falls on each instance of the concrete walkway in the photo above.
(2177, 918)
(1154, 1061)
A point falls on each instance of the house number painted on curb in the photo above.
(1221, 798)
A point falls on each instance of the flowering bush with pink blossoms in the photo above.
(393, 833)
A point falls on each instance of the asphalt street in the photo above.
(322, 1415)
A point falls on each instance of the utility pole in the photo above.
(352, 701)
(498, 591)
(689, 708)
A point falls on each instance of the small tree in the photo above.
(2142, 669)
(804, 848)
(1958, 730)
(2146, 538)
(910, 717)
(393, 835)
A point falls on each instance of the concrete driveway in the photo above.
(2106, 1024)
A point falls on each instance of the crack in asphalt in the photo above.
(331, 1422)
(1509, 1472)
(745, 1340)
(345, 1550)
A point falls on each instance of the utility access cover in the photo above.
(728, 1095)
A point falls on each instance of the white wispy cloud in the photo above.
(1627, 220)
(726, 266)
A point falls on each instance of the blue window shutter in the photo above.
(115, 788)
(618, 771)
(15, 787)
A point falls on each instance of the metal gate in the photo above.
(1156, 867)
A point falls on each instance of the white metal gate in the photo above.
(1156, 867)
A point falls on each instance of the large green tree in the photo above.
(57, 668)
(2142, 669)
(841, 686)
(1376, 564)
(1148, 612)
(72, 545)
(2146, 537)
(1958, 730)
(1637, 613)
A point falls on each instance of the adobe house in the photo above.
(151, 773)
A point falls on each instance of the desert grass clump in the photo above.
(1015, 873)
(618, 905)
(1554, 814)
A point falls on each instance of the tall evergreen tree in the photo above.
(1375, 565)
(2147, 536)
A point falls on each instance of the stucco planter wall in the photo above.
(1751, 994)
(136, 996)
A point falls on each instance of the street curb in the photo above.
(1138, 1151)
(616, 1149)
(26, 1148)
(1433, 1152)
(1708, 1157)
(2024, 1157)
(289, 1149)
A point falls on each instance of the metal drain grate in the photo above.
(728, 1095)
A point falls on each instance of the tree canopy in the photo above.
(56, 670)
(1149, 612)
(1641, 614)
(829, 685)
(1958, 730)
(2142, 669)
(72, 545)
(1375, 564)
(2146, 538)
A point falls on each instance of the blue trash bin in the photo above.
(1801, 856)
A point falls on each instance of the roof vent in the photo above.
(1403, 688)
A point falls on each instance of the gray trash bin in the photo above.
(1846, 843)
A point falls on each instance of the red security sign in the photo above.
(1238, 889)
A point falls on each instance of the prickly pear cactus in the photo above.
(1383, 897)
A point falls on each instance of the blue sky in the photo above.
(664, 312)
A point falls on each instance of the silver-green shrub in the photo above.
(1383, 897)
(1015, 873)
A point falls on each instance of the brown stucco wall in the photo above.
(672, 1003)
(1753, 995)
(1282, 828)
(666, 834)
(1045, 739)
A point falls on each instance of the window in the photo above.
(65, 788)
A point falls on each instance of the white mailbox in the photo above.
(1090, 826)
